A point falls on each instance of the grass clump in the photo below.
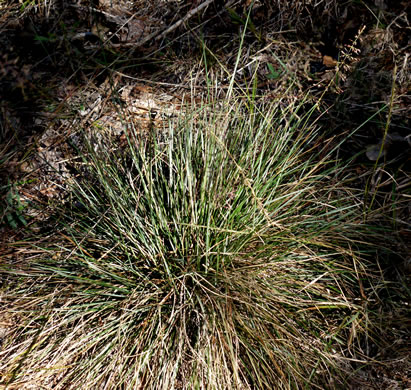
(223, 253)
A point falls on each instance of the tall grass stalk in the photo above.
(223, 252)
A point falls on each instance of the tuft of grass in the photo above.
(225, 252)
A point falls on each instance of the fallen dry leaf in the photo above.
(329, 61)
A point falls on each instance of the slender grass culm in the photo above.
(223, 252)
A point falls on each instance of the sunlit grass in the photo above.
(223, 252)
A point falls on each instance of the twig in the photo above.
(183, 20)
(157, 35)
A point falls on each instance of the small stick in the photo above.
(157, 36)
(190, 14)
